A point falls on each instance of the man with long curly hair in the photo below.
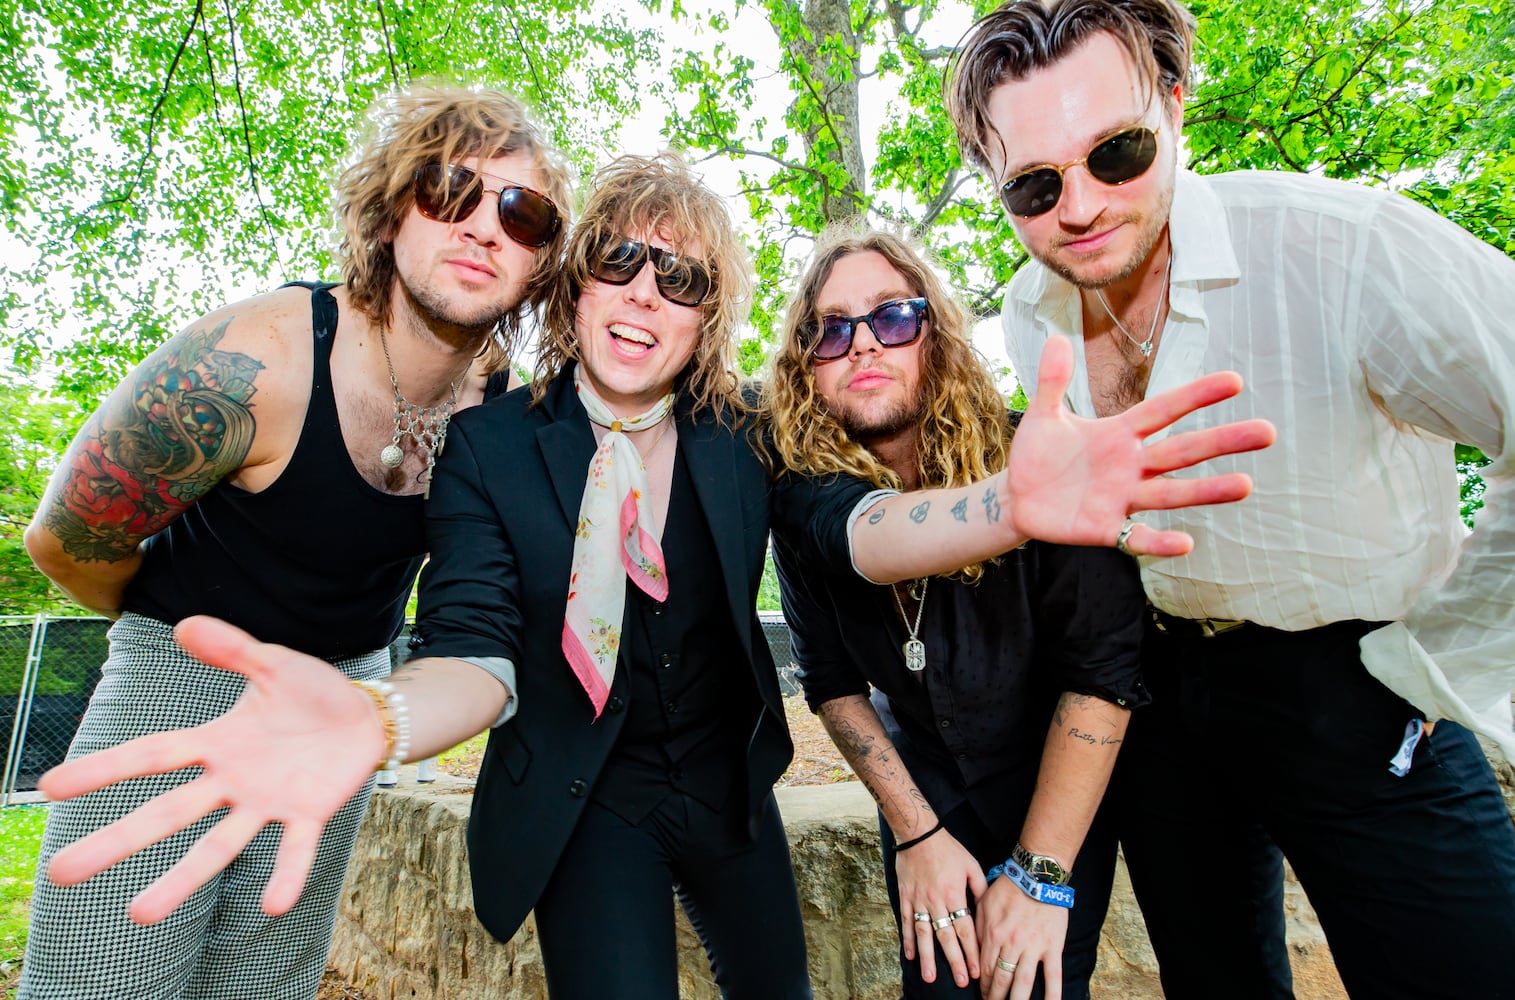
(267, 466)
(1000, 692)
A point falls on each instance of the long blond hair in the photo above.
(655, 194)
(436, 124)
(964, 434)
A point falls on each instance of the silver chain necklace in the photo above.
(1145, 346)
(913, 648)
(426, 424)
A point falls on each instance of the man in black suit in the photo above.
(637, 730)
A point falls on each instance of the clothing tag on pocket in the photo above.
(1400, 765)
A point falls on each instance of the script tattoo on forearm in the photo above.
(140, 461)
(960, 510)
(919, 511)
(991, 505)
(876, 516)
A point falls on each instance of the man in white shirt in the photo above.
(1294, 654)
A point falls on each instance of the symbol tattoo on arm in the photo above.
(960, 510)
(918, 512)
(876, 516)
(991, 506)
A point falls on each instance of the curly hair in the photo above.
(436, 124)
(964, 434)
(644, 195)
(1028, 35)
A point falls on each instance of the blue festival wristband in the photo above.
(1053, 895)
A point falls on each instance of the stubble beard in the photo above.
(440, 311)
(864, 427)
(1151, 228)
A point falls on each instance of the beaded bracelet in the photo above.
(395, 715)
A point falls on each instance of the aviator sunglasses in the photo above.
(684, 281)
(446, 192)
(896, 323)
(1122, 157)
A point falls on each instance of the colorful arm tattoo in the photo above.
(143, 458)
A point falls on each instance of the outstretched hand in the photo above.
(1074, 480)
(295, 747)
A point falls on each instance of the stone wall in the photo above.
(406, 927)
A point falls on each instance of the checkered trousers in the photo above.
(219, 945)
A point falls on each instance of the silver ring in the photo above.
(942, 923)
(1005, 966)
(959, 913)
(1124, 536)
(922, 918)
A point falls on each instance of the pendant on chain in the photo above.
(915, 655)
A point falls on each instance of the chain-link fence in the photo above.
(49, 668)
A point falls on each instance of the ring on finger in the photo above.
(1005, 966)
(1124, 537)
(959, 913)
(942, 923)
(922, 918)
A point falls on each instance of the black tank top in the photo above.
(319, 560)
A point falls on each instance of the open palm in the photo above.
(296, 746)
(1074, 480)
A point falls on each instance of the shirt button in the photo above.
(578, 788)
(962, 756)
(665, 661)
(676, 775)
(615, 704)
(670, 706)
(945, 723)
(657, 607)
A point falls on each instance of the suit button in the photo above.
(671, 706)
(578, 788)
(665, 661)
(658, 606)
(615, 704)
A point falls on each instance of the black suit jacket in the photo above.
(500, 523)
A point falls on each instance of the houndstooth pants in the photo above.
(219, 945)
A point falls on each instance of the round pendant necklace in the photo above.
(1145, 346)
(427, 425)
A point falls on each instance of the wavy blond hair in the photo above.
(436, 124)
(964, 434)
(643, 195)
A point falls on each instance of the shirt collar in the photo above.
(1202, 250)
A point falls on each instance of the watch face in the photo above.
(1040, 867)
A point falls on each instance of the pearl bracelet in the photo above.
(395, 715)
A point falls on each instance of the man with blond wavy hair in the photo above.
(999, 693)
(266, 466)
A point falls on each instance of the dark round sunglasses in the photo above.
(896, 323)
(1122, 157)
(682, 280)
(446, 192)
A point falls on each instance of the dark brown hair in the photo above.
(1027, 35)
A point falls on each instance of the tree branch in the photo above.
(389, 52)
(252, 166)
(152, 118)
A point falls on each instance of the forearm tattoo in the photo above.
(141, 461)
(876, 516)
(991, 505)
(875, 764)
(919, 511)
(960, 510)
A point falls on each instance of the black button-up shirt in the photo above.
(1044, 619)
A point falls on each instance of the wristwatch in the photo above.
(1040, 867)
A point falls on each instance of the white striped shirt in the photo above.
(1372, 333)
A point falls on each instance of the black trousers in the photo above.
(1261, 744)
(605, 922)
(1093, 872)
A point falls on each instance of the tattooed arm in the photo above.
(937, 875)
(1082, 743)
(179, 423)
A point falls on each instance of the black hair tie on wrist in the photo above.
(916, 840)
